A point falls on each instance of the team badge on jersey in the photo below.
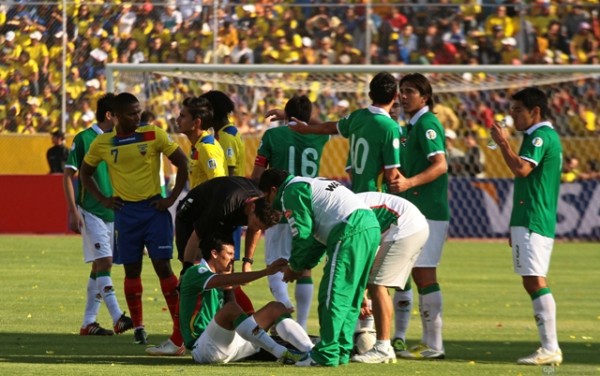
(212, 164)
(73, 146)
(537, 142)
(430, 134)
(143, 148)
(229, 152)
(396, 143)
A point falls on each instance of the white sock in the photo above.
(92, 303)
(431, 315)
(383, 343)
(403, 303)
(105, 286)
(279, 289)
(544, 309)
(304, 296)
(251, 332)
(290, 331)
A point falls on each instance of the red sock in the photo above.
(133, 295)
(243, 300)
(169, 289)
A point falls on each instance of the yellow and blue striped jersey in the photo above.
(207, 160)
(133, 160)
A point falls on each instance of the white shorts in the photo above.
(218, 345)
(395, 260)
(432, 250)
(278, 243)
(98, 237)
(531, 252)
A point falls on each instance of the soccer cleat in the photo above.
(140, 337)
(94, 329)
(291, 357)
(307, 361)
(421, 351)
(123, 324)
(399, 345)
(376, 355)
(542, 357)
(167, 348)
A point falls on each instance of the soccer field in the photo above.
(488, 319)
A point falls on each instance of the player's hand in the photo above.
(498, 133)
(299, 126)
(289, 275)
(76, 222)
(365, 311)
(400, 184)
(277, 266)
(113, 203)
(163, 204)
(275, 114)
(246, 267)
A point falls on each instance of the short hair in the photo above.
(272, 177)
(267, 215)
(532, 97)
(123, 101)
(105, 104)
(422, 84)
(200, 108)
(299, 107)
(222, 105)
(147, 117)
(208, 243)
(383, 88)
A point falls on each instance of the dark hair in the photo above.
(531, 98)
(105, 104)
(222, 106)
(272, 177)
(200, 108)
(299, 107)
(147, 116)
(422, 84)
(123, 101)
(383, 88)
(265, 213)
(208, 243)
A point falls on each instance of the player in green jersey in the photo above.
(300, 155)
(88, 217)
(537, 167)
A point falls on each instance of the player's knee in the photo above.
(277, 308)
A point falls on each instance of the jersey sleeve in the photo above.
(263, 154)
(94, 155)
(165, 143)
(391, 148)
(534, 147)
(343, 125)
(211, 163)
(431, 138)
(76, 154)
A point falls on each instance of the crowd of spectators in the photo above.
(283, 32)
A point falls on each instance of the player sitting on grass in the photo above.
(220, 332)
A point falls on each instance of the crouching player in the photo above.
(220, 332)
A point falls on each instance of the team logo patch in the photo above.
(143, 148)
(212, 164)
(229, 152)
(73, 146)
(396, 143)
(430, 134)
(288, 213)
(97, 246)
(537, 142)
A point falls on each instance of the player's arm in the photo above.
(191, 252)
(75, 219)
(233, 279)
(252, 238)
(437, 168)
(179, 160)
(519, 166)
(329, 127)
(86, 175)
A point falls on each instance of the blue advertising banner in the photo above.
(480, 208)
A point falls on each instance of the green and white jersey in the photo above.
(80, 146)
(535, 196)
(425, 139)
(374, 146)
(192, 286)
(299, 155)
(397, 217)
(314, 208)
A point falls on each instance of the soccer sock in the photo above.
(383, 343)
(243, 300)
(133, 295)
(544, 309)
(169, 289)
(431, 314)
(105, 286)
(304, 296)
(291, 331)
(249, 330)
(403, 302)
(92, 302)
(279, 289)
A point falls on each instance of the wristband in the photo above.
(249, 260)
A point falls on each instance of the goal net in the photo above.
(468, 99)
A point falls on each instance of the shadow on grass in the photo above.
(49, 348)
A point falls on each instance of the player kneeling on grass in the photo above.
(220, 332)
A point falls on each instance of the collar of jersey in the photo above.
(418, 115)
(537, 126)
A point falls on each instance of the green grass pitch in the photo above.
(488, 319)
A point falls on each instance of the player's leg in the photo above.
(304, 294)
(531, 260)
(278, 244)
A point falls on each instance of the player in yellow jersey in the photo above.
(132, 154)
